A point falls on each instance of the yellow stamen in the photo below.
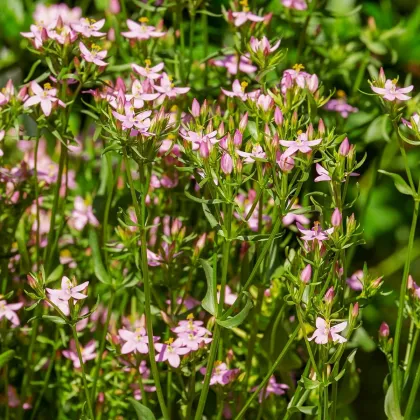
(65, 253)
(144, 19)
(95, 47)
(217, 363)
(148, 63)
(243, 86)
(394, 81)
(341, 93)
(170, 341)
(190, 316)
(299, 132)
(298, 67)
(47, 86)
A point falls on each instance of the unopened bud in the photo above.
(384, 330)
(226, 163)
(204, 150)
(376, 283)
(344, 147)
(243, 123)
(382, 77)
(306, 274)
(114, 7)
(278, 116)
(286, 163)
(355, 310)
(321, 127)
(195, 108)
(237, 138)
(221, 129)
(329, 296)
(336, 218)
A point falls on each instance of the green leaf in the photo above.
(55, 319)
(399, 183)
(236, 320)
(55, 275)
(309, 383)
(143, 413)
(209, 301)
(100, 271)
(392, 410)
(6, 357)
(21, 241)
(32, 70)
(209, 216)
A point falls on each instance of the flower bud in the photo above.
(286, 163)
(329, 296)
(310, 131)
(355, 310)
(344, 147)
(384, 330)
(382, 77)
(376, 283)
(204, 150)
(306, 274)
(410, 282)
(351, 223)
(221, 129)
(237, 138)
(321, 127)
(336, 218)
(244, 122)
(312, 83)
(224, 141)
(226, 163)
(114, 7)
(278, 116)
(195, 108)
(239, 166)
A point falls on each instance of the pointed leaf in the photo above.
(236, 320)
(399, 183)
(209, 303)
(143, 413)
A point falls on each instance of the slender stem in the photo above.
(191, 391)
(102, 346)
(217, 330)
(146, 281)
(6, 391)
(334, 400)
(401, 304)
(37, 201)
(411, 355)
(269, 374)
(82, 366)
(142, 391)
(413, 394)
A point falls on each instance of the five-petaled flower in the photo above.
(301, 144)
(170, 351)
(315, 233)
(89, 27)
(8, 310)
(141, 31)
(45, 96)
(135, 342)
(69, 290)
(88, 353)
(95, 55)
(325, 333)
(390, 92)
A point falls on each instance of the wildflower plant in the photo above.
(180, 215)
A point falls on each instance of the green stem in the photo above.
(146, 281)
(102, 346)
(413, 394)
(191, 392)
(269, 374)
(411, 356)
(82, 366)
(334, 400)
(37, 200)
(401, 304)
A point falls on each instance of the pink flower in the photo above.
(355, 282)
(135, 342)
(230, 62)
(8, 310)
(263, 45)
(95, 56)
(296, 77)
(242, 17)
(50, 14)
(230, 297)
(89, 27)
(384, 330)
(171, 351)
(82, 214)
(295, 4)
(138, 96)
(286, 163)
(46, 97)
(323, 174)
(130, 119)
(198, 138)
(192, 340)
(291, 217)
(256, 154)
(226, 163)
(68, 290)
(7, 93)
(324, 332)
(141, 31)
(391, 93)
(302, 144)
(37, 34)
(151, 73)
(316, 233)
(306, 274)
(272, 388)
(341, 106)
(265, 102)
(336, 218)
(238, 90)
(221, 374)
(88, 353)
(416, 118)
(168, 89)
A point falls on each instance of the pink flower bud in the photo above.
(384, 330)
(114, 7)
(410, 282)
(344, 147)
(237, 138)
(221, 129)
(195, 108)
(286, 163)
(355, 311)
(278, 116)
(336, 218)
(376, 283)
(310, 131)
(382, 77)
(276, 141)
(204, 150)
(223, 143)
(111, 35)
(321, 127)
(329, 296)
(312, 83)
(226, 163)
(244, 122)
(239, 166)
(306, 274)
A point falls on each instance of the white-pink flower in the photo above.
(141, 31)
(263, 45)
(151, 73)
(238, 90)
(256, 154)
(8, 311)
(89, 27)
(45, 96)
(68, 290)
(325, 333)
(295, 4)
(323, 174)
(315, 233)
(171, 351)
(95, 56)
(168, 89)
(88, 353)
(301, 144)
(239, 18)
(135, 342)
(82, 214)
(390, 92)
(130, 119)
(138, 96)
